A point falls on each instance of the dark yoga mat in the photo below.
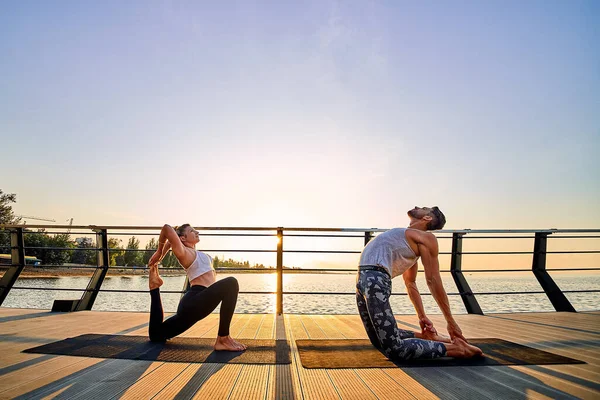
(360, 353)
(179, 349)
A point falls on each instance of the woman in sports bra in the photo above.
(204, 295)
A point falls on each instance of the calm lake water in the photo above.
(316, 304)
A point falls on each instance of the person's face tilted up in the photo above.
(433, 216)
(188, 235)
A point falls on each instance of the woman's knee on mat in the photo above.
(156, 337)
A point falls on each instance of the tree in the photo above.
(40, 243)
(84, 254)
(170, 261)
(116, 254)
(150, 248)
(35, 244)
(133, 257)
(59, 256)
(229, 263)
(39, 238)
(7, 217)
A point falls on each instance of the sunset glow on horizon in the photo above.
(305, 114)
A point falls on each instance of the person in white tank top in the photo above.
(204, 295)
(394, 253)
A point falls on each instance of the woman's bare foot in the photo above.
(240, 344)
(154, 279)
(461, 349)
(228, 344)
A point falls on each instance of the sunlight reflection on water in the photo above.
(316, 304)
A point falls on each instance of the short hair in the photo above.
(181, 229)
(438, 221)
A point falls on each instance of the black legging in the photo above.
(196, 303)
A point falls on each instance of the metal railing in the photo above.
(538, 266)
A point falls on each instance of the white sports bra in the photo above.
(201, 265)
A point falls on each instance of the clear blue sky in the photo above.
(293, 113)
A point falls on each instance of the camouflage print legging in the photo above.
(373, 289)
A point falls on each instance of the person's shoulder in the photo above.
(422, 236)
(191, 252)
(395, 231)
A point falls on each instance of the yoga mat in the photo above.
(360, 353)
(179, 349)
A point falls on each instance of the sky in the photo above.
(302, 114)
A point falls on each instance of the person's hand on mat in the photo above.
(427, 325)
(455, 332)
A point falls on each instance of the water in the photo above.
(316, 304)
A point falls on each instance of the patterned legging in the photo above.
(373, 289)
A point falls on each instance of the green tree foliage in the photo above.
(83, 254)
(170, 261)
(218, 263)
(116, 254)
(39, 244)
(133, 258)
(40, 238)
(150, 249)
(7, 216)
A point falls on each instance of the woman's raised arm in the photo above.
(168, 238)
(167, 233)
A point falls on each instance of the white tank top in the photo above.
(201, 265)
(391, 251)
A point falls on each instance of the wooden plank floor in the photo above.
(24, 375)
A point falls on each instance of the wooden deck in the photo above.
(575, 335)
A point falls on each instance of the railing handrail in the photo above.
(294, 229)
(540, 251)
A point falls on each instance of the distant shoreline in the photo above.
(58, 272)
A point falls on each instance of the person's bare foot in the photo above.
(461, 349)
(428, 335)
(239, 344)
(227, 343)
(154, 279)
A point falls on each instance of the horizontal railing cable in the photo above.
(99, 235)
(295, 292)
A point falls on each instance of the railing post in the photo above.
(89, 297)
(279, 271)
(17, 252)
(556, 296)
(368, 236)
(465, 291)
